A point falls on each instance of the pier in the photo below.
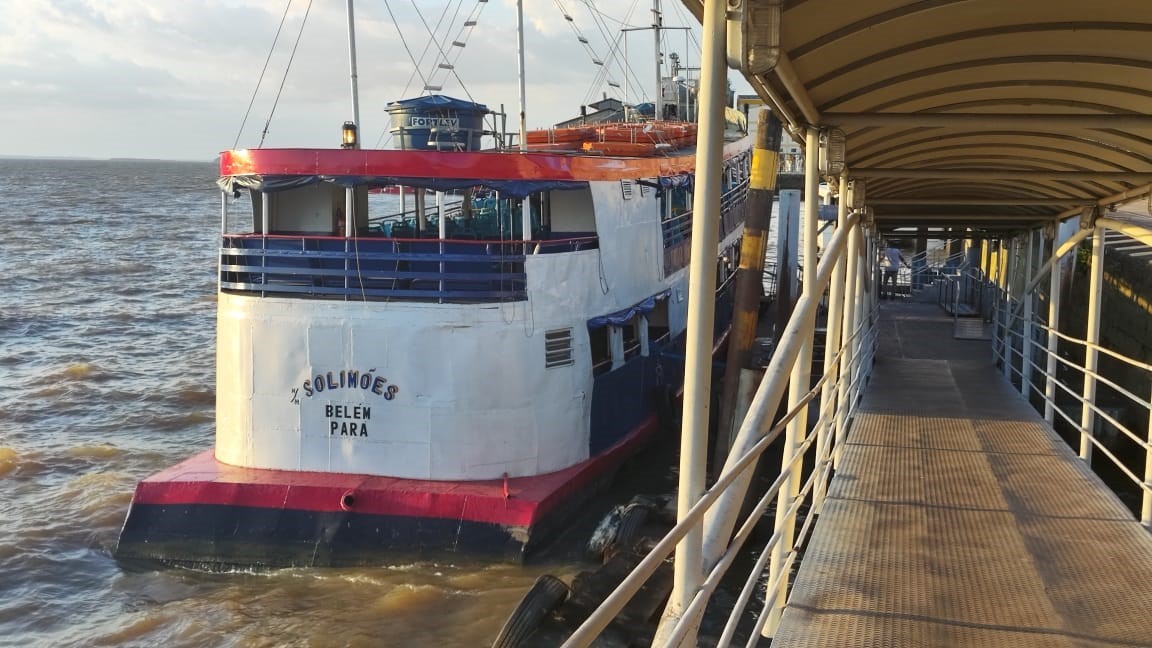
(941, 450)
(957, 517)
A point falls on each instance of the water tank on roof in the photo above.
(437, 122)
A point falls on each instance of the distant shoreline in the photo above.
(69, 158)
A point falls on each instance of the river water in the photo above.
(107, 334)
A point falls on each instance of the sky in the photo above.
(173, 79)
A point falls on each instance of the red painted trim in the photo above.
(202, 479)
(479, 165)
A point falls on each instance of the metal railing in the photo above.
(929, 266)
(376, 268)
(677, 230)
(837, 390)
(1017, 342)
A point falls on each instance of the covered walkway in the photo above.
(1019, 135)
(958, 517)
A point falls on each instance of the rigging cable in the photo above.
(404, 42)
(598, 18)
(288, 67)
(423, 53)
(441, 49)
(272, 49)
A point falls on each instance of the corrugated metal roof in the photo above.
(983, 113)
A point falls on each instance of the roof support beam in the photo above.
(796, 89)
(1002, 174)
(966, 217)
(1114, 199)
(1030, 202)
(984, 121)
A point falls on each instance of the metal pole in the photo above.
(848, 362)
(352, 73)
(659, 104)
(1092, 336)
(349, 212)
(859, 297)
(689, 569)
(1003, 258)
(832, 344)
(746, 302)
(1026, 346)
(265, 212)
(520, 72)
(223, 213)
(798, 385)
(1054, 286)
(1146, 505)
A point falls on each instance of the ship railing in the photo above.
(811, 450)
(374, 268)
(677, 230)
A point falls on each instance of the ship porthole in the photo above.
(347, 500)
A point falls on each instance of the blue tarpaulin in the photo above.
(620, 318)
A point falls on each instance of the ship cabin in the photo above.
(317, 235)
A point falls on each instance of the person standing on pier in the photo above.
(892, 262)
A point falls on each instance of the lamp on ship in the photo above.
(348, 135)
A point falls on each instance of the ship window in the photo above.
(558, 348)
(630, 339)
(601, 350)
(658, 330)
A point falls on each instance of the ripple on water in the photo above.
(172, 422)
(75, 372)
(9, 461)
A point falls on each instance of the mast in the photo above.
(656, 39)
(525, 204)
(520, 70)
(352, 72)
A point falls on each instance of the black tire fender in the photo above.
(546, 594)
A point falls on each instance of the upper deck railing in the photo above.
(677, 230)
(375, 268)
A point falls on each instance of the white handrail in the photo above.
(736, 470)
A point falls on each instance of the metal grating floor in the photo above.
(972, 328)
(958, 518)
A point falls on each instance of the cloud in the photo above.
(103, 71)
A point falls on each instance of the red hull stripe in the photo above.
(486, 165)
(203, 480)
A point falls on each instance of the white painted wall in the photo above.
(474, 400)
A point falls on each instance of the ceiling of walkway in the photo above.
(991, 114)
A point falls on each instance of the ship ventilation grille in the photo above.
(644, 190)
(557, 348)
(626, 189)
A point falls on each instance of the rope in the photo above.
(286, 69)
(272, 49)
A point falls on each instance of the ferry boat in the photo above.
(450, 378)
